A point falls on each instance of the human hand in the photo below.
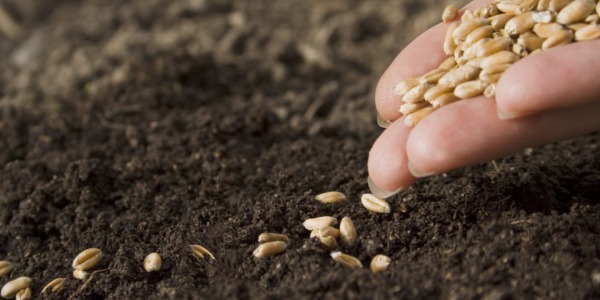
(543, 98)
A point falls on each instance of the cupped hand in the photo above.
(543, 98)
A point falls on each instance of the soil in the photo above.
(149, 125)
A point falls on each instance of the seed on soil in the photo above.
(54, 285)
(152, 262)
(269, 249)
(325, 231)
(380, 263)
(450, 13)
(87, 259)
(319, 222)
(5, 268)
(266, 237)
(346, 260)
(11, 288)
(374, 204)
(24, 294)
(328, 242)
(200, 252)
(80, 274)
(348, 231)
(331, 197)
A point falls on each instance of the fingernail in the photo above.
(383, 123)
(504, 115)
(381, 192)
(418, 173)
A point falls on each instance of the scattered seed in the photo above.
(450, 13)
(319, 222)
(346, 260)
(200, 251)
(348, 231)
(80, 274)
(54, 285)
(374, 204)
(266, 237)
(328, 242)
(152, 262)
(269, 249)
(331, 197)
(5, 268)
(380, 263)
(325, 231)
(87, 259)
(11, 288)
(24, 294)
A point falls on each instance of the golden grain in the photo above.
(432, 76)
(470, 89)
(23, 294)
(547, 30)
(11, 288)
(81, 275)
(416, 94)
(520, 23)
(319, 222)
(348, 231)
(416, 117)
(448, 63)
(380, 263)
(152, 262)
(498, 21)
(502, 57)
(346, 260)
(463, 29)
(374, 204)
(328, 242)
(5, 268)
(490, 91)
(331, 197)
(575, 11)
(200, 252)
(543, 16)
(530, 41)
(269, 249)
(444, 99)
(54, 285)
(325, 231)
(266, 237)
(459, 75)
(87, 259)
(408, 108)
(561, 37)
(450, 13)
(406, 85)
(436, 91)
(449, 44)
(587, 33)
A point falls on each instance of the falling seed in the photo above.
(331, 197)
(11, 288)
(348, 231)
(152, 262)
(346, 260)
(54, 285)
(200, 251)
(24, 294)
(5, 268)
(380, 263)
(266, 237)
(87, 259)
(269, 249)
(374, 204)
(319, 222)
(80, 274)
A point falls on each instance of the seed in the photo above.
(543, 5)
(493, 46)
(374, 204)
(543, 16)
(432, 76)
(346, 260)
(499, 21)
(11, 288)
(587, 33)
(436, 91)
(408, 108)
(448, 63)
(331, 197)
(319, 222)
(598, 9)
(561, 37)
(493, 72)
(520, 23)
(470, 89)
(416, 94)
(449, 44)
(575, 11)
(54, 285)
(462, 31)
(444, 99)
(416, 117)
(328, 242)
(490, 91)
(87, 259)
(81, 275)
(348, 231)
(577, 26)
(325, 231)
(24, 294)
(593, 18)
(502, 57)
(450, 13)
(530, 41)
(200, 251)
(269, 249)
(5, 268)
(478, 34)
(266, 237)
(558, 5)
(459, 75)
(516, 7)
(406, 85)
(380, 263)
(152, 262)
(547, 30)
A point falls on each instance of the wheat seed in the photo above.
(478, 34)
(380, 263)
(558, 5)
(543, 16)
(436, 91)
(416, 94)
(459, 75)
(348, 231)
(54, 285)
(200, 252)
(450, 13)
(449, 44)
(374, 204)
(432, 76)
(346, 260)
(547, 30)
(490, 91)
(470, 89)
(5, 268)
(588, 32)
(331, 197)
(319, 222)
(269, 249)
(499, 21)
(266, 237)
(561, 37)
(409, 108)
(444, 99)
(502, 57)
(416, 117)
(23, 294)
(520, 23)
(325, 231)
(152, 262)
(328, 242)
(575, 11)
(448, 63)
(80, 274)
(87, 259)
(406, 85)
(530, 41)
(11, 288)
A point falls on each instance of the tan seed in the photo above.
(319, 222)
(543, 5)
(328, 242)
(331, 197)
(502, 57)
(576, 11)
(416, 117)
(416, 94)
(325, 231)
(561, 37)
(464, 28)
(593, 18)
(374, 204)
(348, 231)
(543, 16)
(558, 5)
(406, 85)
(516, 7)
(409, 108)
(346, 260)
(24, 294)
(380, 263)
(200, 252)
(587, 33)
(493, 72)
(448, 63)
(444, 99)
(81, 275)
(520, 23)
(499, 21)
(54, 285)
(530, 41)
(450, 13)
(269, 249)
(5, 268)
(547, 30)
(490, 91)
(470, 89)
(459, 75)
(432, 76)
(11, 288)
(153, 262)
(493, 46)
(577, 26)
(598, 9)
(449, 44)
(478, 34)
(266, 237)
(87, 259)
(436, 91)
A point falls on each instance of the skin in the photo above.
(547, 97)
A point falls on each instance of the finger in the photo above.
(469, 132)
(422, 55)
(561, 77)
(388, 164)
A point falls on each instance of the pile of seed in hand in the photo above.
(487, 41)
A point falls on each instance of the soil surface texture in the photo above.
(148, 125)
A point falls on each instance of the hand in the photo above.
(543, 98)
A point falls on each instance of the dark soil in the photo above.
(149, 125)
